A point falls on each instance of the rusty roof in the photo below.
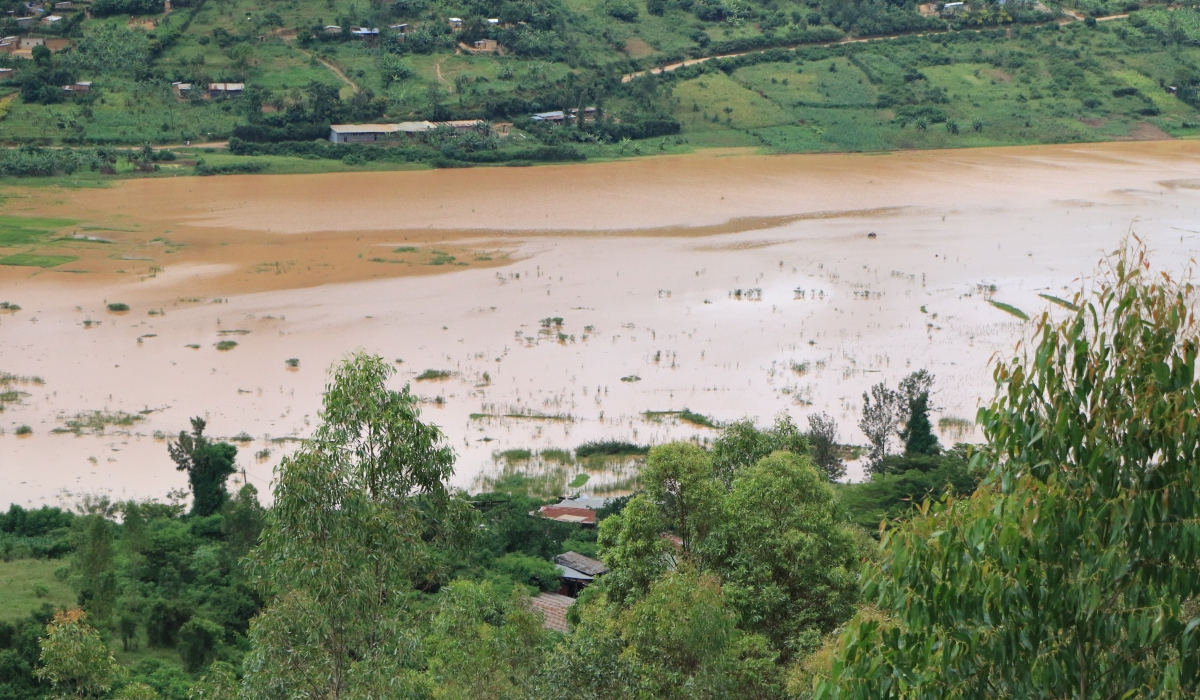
(582, 564)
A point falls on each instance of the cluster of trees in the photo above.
(736, 572)
(456, 149)
(34, 161)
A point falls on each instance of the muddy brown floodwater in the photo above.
(732, 285)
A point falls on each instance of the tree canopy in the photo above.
(1072, 571)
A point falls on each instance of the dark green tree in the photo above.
(198, 640)
(918, 434)
(243, 522)
(41, 56)
(823, 448)
(741, 444)
(208, 465)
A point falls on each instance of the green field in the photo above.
(17, 581)
(796, 77)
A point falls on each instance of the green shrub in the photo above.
(434, 374)
(610, 447)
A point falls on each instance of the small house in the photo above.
(5, 73)
(486, 45)
(560, 116)
(24, 21)
(555, 117)
(181, 88)
(364, 32)
(64, 5)
(399, 28)
(84, 86)
(455, 22)
(332, 29)
(51, 19)
(953, 8)
(226, 89)
(577, 572)
(361, 133)
(493, 22)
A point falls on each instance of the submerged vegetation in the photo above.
(1051, 560)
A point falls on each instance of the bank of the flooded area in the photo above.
(730, 286)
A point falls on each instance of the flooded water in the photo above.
(731, 286)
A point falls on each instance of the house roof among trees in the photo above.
(582, 564)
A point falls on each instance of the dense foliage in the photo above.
(1072, 571)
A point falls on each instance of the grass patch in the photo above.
(556, 455)
(21, 579)
(224, 345)
(697, 419)
(685, 415)
(432, 375)
(405, 249)
(96, 422)
(610, 448)
(535, 415)
(1009, 308)
(293, 363)
(32, 260)
(9, 378)
(118, 307)
(19, 230)
(579, 480)
(958, 428)
(518, 455)
(539, 485)
(24, 430)
(631, 379)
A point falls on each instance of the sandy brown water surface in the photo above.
(642, 260)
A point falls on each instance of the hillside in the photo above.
(993, 73)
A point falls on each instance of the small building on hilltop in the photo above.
(226, 89)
